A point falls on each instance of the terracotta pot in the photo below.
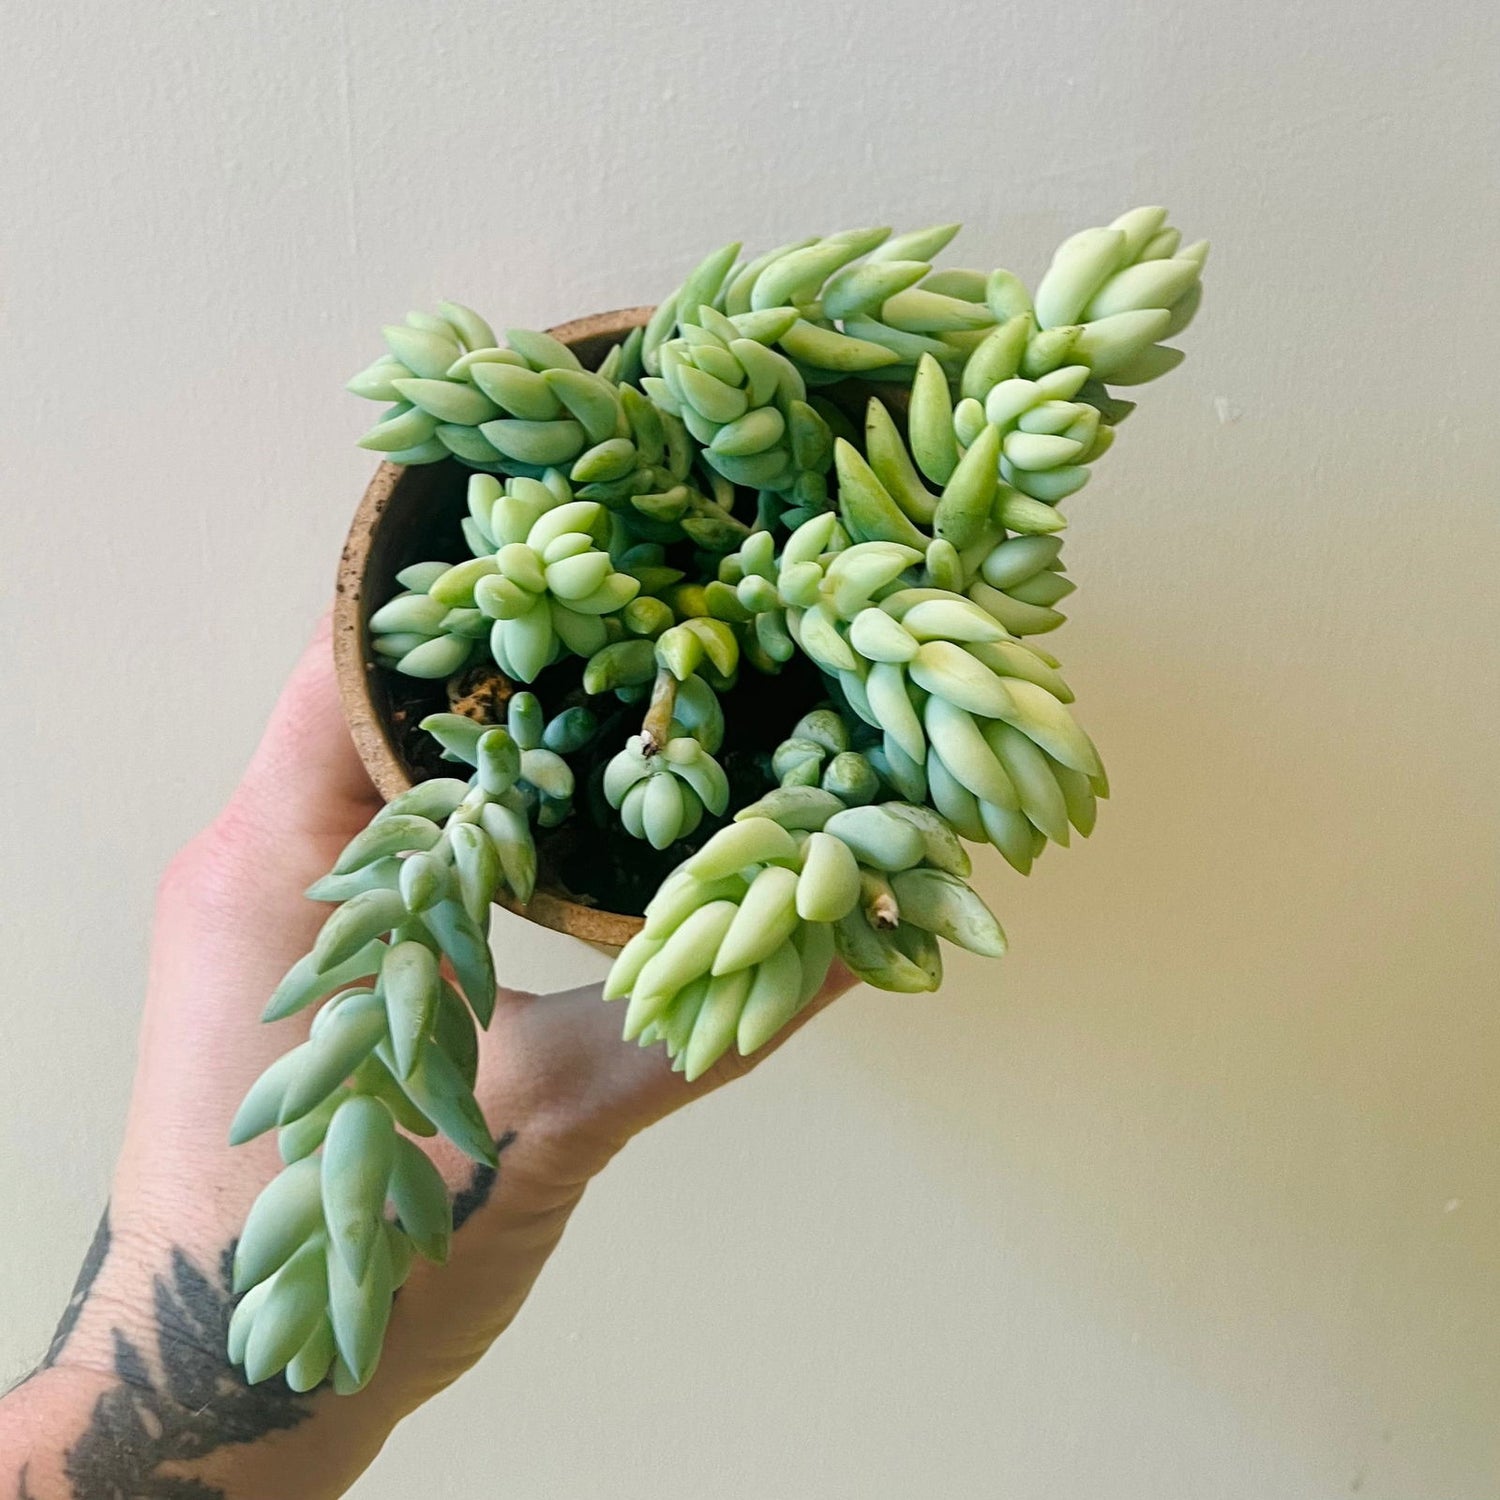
(388, 532)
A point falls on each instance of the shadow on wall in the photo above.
(1222, 1089)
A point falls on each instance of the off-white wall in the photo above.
(1194, 1198)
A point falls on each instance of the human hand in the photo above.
(560, 1090)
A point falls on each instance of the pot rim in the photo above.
(355, 670)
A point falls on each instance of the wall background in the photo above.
(1194, 1198)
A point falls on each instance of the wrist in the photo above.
(137, 1388)
(136, 1393)
(72, 1430)
(40, 1419)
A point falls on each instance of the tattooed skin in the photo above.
(469, 1200)
(180, 1407)
(187, 1401)
(88, 1273)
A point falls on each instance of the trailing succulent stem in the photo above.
(704, 504)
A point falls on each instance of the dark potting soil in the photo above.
(589, 857)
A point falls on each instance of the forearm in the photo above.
(70, 1433)
(39, 1421)
(136, 1390)
(135, 1393)
(136, 1396)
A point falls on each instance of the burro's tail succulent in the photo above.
(759, 592)
(745, 401)
(522, 408)
(538, 587)
(741, 936)
(393, 1048)
(530, 409)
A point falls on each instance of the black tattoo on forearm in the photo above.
(188, 1402)
(186, 1405)
(467, 1201)
(88, 1273)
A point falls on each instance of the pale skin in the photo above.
(230, 920)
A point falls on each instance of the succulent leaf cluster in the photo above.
(833, 460)
(393, 1044)
(970, 717)
(663, 790)
(538, 587)
(742, 935)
